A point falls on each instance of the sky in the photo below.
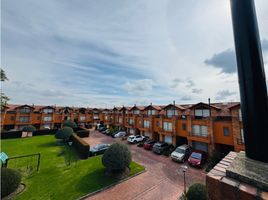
(103, 53)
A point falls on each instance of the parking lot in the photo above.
(163, 178)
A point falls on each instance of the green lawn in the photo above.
(56, 178)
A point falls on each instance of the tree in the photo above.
(4, 98)
(64, 133)
(117, 157)
(29, 128)
(197, 191)
(70, 124)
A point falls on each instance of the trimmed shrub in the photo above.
(11, 134)
(117, 157)
(29, 128)
(10, 181)
(69, 124)
(64, 133)
(197, 191)
(45, 132)
(214, 160)
(81, 147)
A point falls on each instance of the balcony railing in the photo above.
(199, 135)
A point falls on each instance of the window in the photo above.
(48, 110)
(184, 127)
(25, 110)
(198, 130)
(136, 112)
(171, 112)
(12, 118)
(146, 124)
(120, 120)
(47, 126)
(48, 118)
(201, 112)
(131, 121)
(82, 118)
(226, 131)
(151, 112)
(95, 116)
(242, 135)
(240, 115)
(183, 117)
(167, 126)
(24, 119)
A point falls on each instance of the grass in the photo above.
(57, 179)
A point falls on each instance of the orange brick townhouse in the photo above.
(205, 127)
(18, 116)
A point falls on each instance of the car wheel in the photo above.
(135, 142)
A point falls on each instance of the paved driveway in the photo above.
(163, 179)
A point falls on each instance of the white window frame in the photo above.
(167, 126)
(47, 118)
(146, 124)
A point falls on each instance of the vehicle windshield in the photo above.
(196, 155)
(179, 150)
(99, 146)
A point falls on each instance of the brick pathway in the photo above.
(163, 179)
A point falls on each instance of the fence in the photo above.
(25, 163)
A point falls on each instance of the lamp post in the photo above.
(184, 168)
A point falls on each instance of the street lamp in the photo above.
(184, 168)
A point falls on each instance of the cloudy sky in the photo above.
(105, 53)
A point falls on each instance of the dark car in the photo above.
(102, 128)
(197, 158)
(160, 147)
(149, 144)
(99, 149)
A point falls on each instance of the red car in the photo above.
(197, 158)
(149, 144)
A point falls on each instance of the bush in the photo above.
(69, 124)
(10, 181)
(117, 157)
(29, 128)
(64, 133)
(11, 134)
(214, 159)
(81, 147)
(197, 191)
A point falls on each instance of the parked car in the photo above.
(99, 149)
(135, 138)
(197, 158)
(149, 144)
(106, 131)
(102, 128)
(160, 147)
(114, 133)
(181, 153)
(120, 134)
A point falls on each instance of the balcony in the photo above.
(199, 137)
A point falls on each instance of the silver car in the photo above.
(181, 153)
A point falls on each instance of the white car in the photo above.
(135, 138)
(120, 134)
(181, 153)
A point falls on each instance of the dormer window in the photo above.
(25, 110)
(202, 112)
(48, 110)
(172, 112)
(151, 112)
(136, 112)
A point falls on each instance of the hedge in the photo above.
(81, 132)
(81, 147)
(10, 181)
(11, 134)
(45, 132)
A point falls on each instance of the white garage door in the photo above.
(168, 139)
(147, 134)
(200, 146)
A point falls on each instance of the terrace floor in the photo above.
(163, 179)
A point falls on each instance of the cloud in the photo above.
(138, 87)
(196, 91)
(186, 98)
(185, 82)
(224, 94)
(226, 60)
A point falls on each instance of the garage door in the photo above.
(168, 139)
(147, 134)
(200, 146)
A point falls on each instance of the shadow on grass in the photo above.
(49, 144)
(94, 181)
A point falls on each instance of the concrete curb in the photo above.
(109, 186)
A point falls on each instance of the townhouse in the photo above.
(205, 127)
